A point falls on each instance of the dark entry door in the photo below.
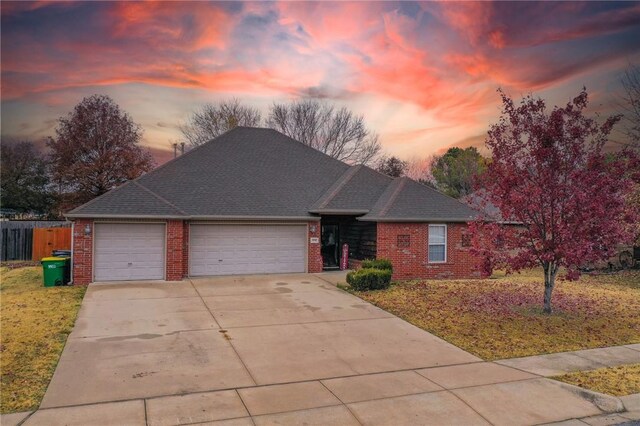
(331, 246)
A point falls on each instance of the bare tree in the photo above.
(336, 132)
(631, 103)
(418, 169)
(212, 120)
(392, 166)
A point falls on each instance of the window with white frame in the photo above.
(437, 243)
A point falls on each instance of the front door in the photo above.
(330, 246)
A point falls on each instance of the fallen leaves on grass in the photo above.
(617, 381)
(502, 317)
(35, 323)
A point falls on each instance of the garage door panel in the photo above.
(247, 249)
(127, 251)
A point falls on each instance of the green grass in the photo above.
(35, 322)
(617, 381)
(502, 317)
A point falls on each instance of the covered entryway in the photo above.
(247, 249)
(360, 236)
(129, 251)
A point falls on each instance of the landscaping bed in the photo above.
(35, 322)
(617, 381)
(502, 317)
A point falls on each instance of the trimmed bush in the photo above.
(369, 279)
(384, 264)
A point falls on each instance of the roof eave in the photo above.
(250, 218)
(339, 211)
(193, 217)
(121, 216)
(415, 219)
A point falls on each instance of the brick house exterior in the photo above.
(82, 250)
(177, 250)
(265, 203)
(409, 257)
(406, 245)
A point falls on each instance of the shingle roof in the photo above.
(406, 200)
(255, 173)
(355, 192)
(128, 198)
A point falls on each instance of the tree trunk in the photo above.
(549, 284)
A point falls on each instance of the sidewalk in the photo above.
(568, 362)
(478, 393)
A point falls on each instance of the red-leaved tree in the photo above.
(96, 148)
(557, 199)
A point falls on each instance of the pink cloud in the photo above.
(441, 60)
(168, 25)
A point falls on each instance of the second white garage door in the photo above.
(129, 251)
(247, 249)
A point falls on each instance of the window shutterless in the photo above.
(437, 243)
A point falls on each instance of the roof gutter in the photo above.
(338, 211)
(188, 217)
(415, 219)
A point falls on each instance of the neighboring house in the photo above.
(256, 201)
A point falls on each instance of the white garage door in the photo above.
(129, 251)
(247, 249)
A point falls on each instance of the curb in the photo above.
(606, 403)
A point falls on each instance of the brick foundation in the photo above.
(411, 261)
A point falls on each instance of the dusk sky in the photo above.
(424, 75)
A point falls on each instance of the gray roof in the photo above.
(355, 192)
(255, 173)
(406, 200)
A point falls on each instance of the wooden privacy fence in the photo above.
(33, 240)
(46, 240)
(17, 243)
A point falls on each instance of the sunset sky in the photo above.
(424, 75)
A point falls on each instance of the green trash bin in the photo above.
(56, 271)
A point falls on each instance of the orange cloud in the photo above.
(170, 24)
(437, 62)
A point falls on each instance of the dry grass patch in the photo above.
(35, 322)
(502, 317)
(617, 381)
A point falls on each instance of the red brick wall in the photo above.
(412, 261)
(175, 250)
(82, 252)
(314, 253)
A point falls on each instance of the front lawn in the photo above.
(617, 381)
(502, 317)
(35, 322)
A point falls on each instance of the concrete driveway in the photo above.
(277, 349)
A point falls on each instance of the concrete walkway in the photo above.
(398, 398)
(280, 349)
(568, 362)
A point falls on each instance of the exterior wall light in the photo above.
(87, 230)
(313, 229)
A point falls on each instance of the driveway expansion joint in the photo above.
(226, 338)
(337, 345)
